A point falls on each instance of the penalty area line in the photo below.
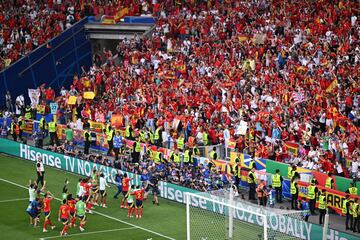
(104, 215)
(88, 233)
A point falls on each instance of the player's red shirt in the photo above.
(86, 187)
(46, 203)
(126, 184)
(71, 203)
(139, 194)
(64, 211)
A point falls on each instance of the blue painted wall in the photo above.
(54, 66)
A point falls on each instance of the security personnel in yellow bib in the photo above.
(42, 122)
(129, 132)
(236, 169)
(158, 157)
(355, 212)
(21, 124)
(109, 138)
(87, 140)
(252, 164)
(136, 151)
(205, 138)
(52, 132)
(187, 156)
(294, 191)
(251, 179)
(352, 189)
(158, 136)
(195, 153)
(312, 192)
(142, 136)
(28, 112)
(181, 143)
(175, 157)
(346, 211)
(292, 172)
(14, 129)
(151, 137)
(213, 154)
(329, 181)
(277, 184)
(322, 206)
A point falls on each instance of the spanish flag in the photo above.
(332, 85)
(292, 147)
(231, 144)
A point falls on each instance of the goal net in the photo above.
(220, 215)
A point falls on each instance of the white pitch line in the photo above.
(87, 233)
(102, 214)
(13, 200)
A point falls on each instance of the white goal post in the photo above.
(210, 218)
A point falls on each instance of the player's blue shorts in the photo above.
(155, 190)
(46, 214)
(124, 193)
(64, 220)
(139, 203)
(32, 214)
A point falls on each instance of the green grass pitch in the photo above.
(166, 221)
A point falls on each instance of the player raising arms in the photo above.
(64, 214)
(86, 194)
(130, 201)
(48, 197)
(80, 213)
(125, 189)
(71, 203)
(94, 192)
(139, 196)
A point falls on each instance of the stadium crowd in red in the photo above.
(25, 25)
(287, 69)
